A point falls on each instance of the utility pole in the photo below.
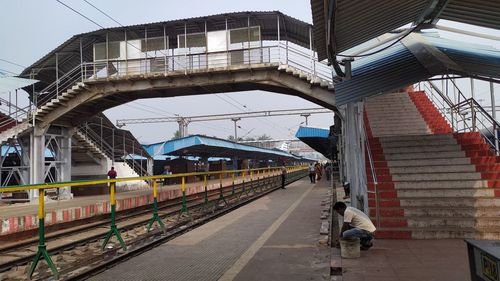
(306, 115)
(235, 120)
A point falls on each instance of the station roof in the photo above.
(316, 138)
(9, 83)
(291, 29)
(356, 22)
(202, 146)
(417, 57)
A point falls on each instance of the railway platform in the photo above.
(273, 238)
(20, 217)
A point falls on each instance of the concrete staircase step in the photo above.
(418, 143)
(451, 184)
(417, 138)
(424, 155)
(417, 149)
(442, 193)
(446, 202)
(452, 212)
(436, 176)
(433, 169)
(429, 162)
(441, 233)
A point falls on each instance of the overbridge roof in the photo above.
(197, 145)
(356, 22)
(291, 29)
(418, 57)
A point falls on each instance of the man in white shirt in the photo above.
(356, 224)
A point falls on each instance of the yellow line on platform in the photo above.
(231, 273)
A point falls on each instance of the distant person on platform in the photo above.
(328, 171)
(166, 181)
(283, 177)
(356, 224)
(318, 171)
(112, 173)
(312, 173)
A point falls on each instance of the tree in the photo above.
(177, 135)
(231, 138)
(249, 139)
(264, 137)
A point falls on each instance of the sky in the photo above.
(31, 29)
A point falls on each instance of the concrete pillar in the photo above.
(65, 163)
(37, 160)
(150, 165)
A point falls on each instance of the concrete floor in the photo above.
(410, 260)
(273, 238)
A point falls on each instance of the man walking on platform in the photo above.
(283, 177)
(112, 173)
(312, 173)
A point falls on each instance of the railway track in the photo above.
(70, 243)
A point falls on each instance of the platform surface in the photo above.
(273, 238)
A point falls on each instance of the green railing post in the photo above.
(184, 209)
(232, 189)
(114, 230)
(42, 248)
(243, 185)
(221, 193)
(156, 217)
(206, 202)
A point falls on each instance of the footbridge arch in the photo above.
(94, 71)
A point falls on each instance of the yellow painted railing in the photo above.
(42, 252)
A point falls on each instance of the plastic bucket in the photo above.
(349, 248)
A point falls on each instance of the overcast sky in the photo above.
(31, 29)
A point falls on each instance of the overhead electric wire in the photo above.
(89, 19)
(13, 63)
(102, 12)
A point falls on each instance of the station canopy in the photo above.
(318, 139)
(202, 146)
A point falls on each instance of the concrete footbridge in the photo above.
(95, 71)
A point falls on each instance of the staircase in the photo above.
(432, 183)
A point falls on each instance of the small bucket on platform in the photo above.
(349, 248)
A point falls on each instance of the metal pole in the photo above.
(235, 120)
(494, 115)
(107, 54)
(185, 48)
(165, 46)
(126, 53)
(313, 65)
(278, 26)
(57, 74)
(101, 136)
(81, 58)
(472, 87)
(113, 147)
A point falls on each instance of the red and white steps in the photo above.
(431, 183)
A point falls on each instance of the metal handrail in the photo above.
(374, 176)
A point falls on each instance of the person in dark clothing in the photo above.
(112, 173)
(283, 177)
(312, 173)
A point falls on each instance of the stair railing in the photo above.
(479, 121)
(374, 176)
(58, 87)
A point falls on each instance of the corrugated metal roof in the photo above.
(197, 145)
(309, 132)
(291, 29)
(13, 83)
(397, 67)
(359, 21)
(477, 12)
